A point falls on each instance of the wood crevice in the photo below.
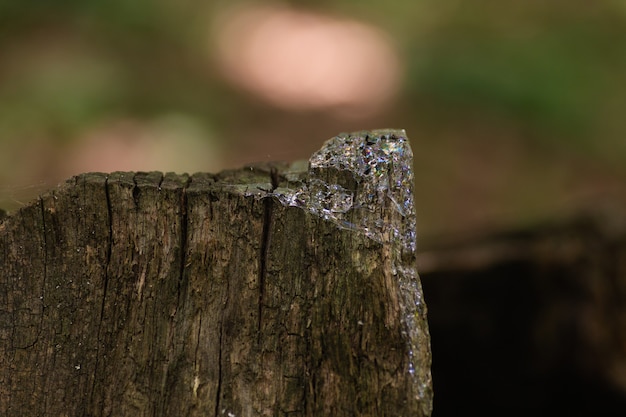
(202, 295)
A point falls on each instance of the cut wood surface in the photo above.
(272, 290)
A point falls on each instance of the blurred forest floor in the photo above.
(515, 110)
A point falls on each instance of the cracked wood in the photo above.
(152, 294)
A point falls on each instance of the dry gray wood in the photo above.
(273, 290)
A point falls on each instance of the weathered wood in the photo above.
(271, 290)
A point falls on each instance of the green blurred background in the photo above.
(515, 109)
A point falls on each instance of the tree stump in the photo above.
(273, 290)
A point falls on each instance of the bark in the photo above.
(274, 290)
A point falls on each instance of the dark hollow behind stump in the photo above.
(271, 290)
(540, 314)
